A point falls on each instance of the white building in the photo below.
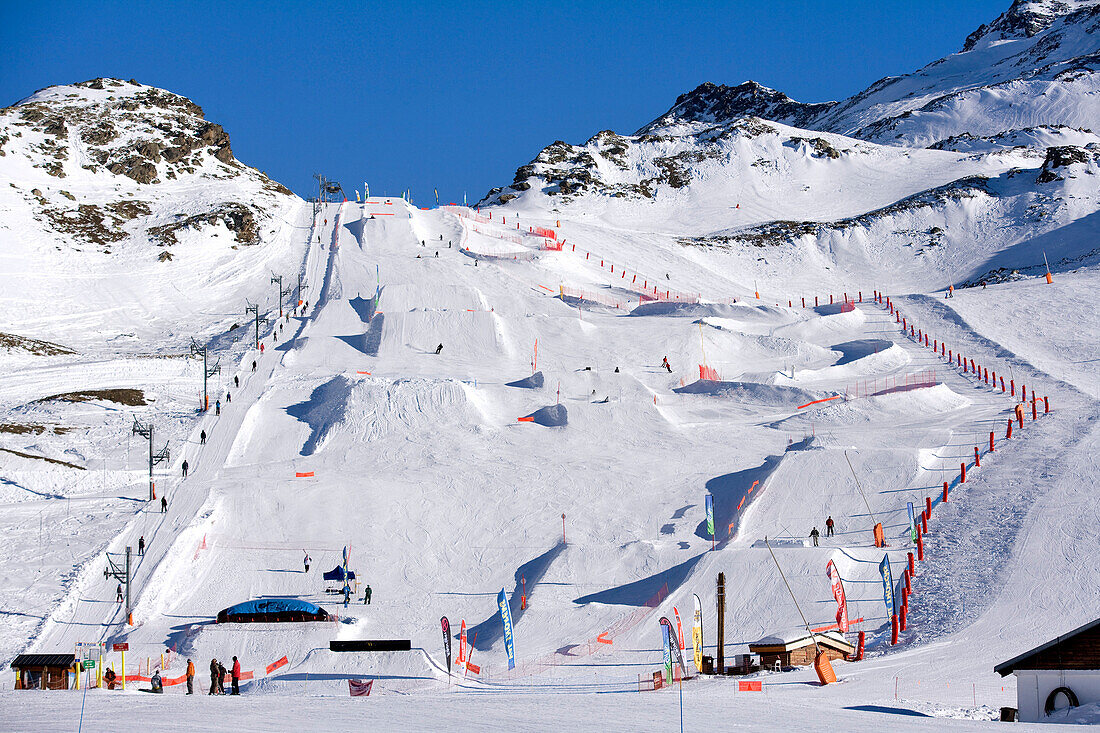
(1064, 672)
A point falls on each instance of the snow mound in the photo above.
(915, 403)
(551, 416)
(535, 381)
(323, 411)
(751, 392)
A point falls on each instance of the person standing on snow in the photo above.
(221, 678)
(306, 561)
(236, 382)
(141, 545)
(213, 677)
(236, 672)
(217, 407)
(202, 438)
(190, 677)
(228, 397)
(366, 596)
(829, 526)
(118, 593)
(164, 505)
(253, 365)
(814, 534)
(184, 467)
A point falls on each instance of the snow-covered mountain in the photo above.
(938, 176)
(130, 189)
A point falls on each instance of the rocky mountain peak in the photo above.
(1024, 19)
(716, 103)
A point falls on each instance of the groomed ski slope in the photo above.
(420, 468)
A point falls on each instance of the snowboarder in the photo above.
(236, 382)
(439, 348)
(253, 366)
(228, 397)
(666, 365)
(118, 593)
(141, 545)
(217, 408)
(366, 596)
(306, 561)
(829, 526)
(190, 677)
(184, 467)
(164, 505)
(213, 677)
(814, 534)
(202, 438)
(236, 677)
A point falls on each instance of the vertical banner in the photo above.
(506, 618)
(446, 625)
(697, 634)
(710, 515)
(887, 585)
(838, 594)
(912, 522)
(666, 636)
(675, 648)
(462, 644)
(679, 628)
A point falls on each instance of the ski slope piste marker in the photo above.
(506, 618)
(838, 594)
(443, 622)
(697, 633)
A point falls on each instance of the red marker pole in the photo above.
(563, 528)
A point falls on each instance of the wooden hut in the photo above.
(796, 648)
(1064, 672)
(43, 671)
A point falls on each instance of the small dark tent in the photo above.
(337, 573)
(272, 610)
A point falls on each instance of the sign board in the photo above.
(120, 647)
(88, 663)
(90, 649)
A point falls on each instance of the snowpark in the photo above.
(557, 418)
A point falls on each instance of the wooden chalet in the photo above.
(796, 648)
(1063, 673)
(43, 671)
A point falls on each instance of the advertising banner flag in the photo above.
(674, 647)
(838, 594)
(462, 643)
(666, 636)
(506, 618)
(697, 634)
(679, 628)
(887, 586)
(446, 641)
(912, 522)
(359, 688)
(710, 515)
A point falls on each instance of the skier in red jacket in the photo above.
(236, 674)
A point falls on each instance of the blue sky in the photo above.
(457, 96)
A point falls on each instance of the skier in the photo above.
(190, 677)
(184, 467)
(439, 348)
(164, 505)
(261, 348)
(236, 677)
(366, 596)
(118, 593)
(666, 365)
(306, 561)
(814, 534)
(253, 365)
(217, 408)
(228, 397)
(829, 526)
(236, 382)
(202, 438)
(141, 545)
(213, 677)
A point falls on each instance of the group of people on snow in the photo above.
(830, 526)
